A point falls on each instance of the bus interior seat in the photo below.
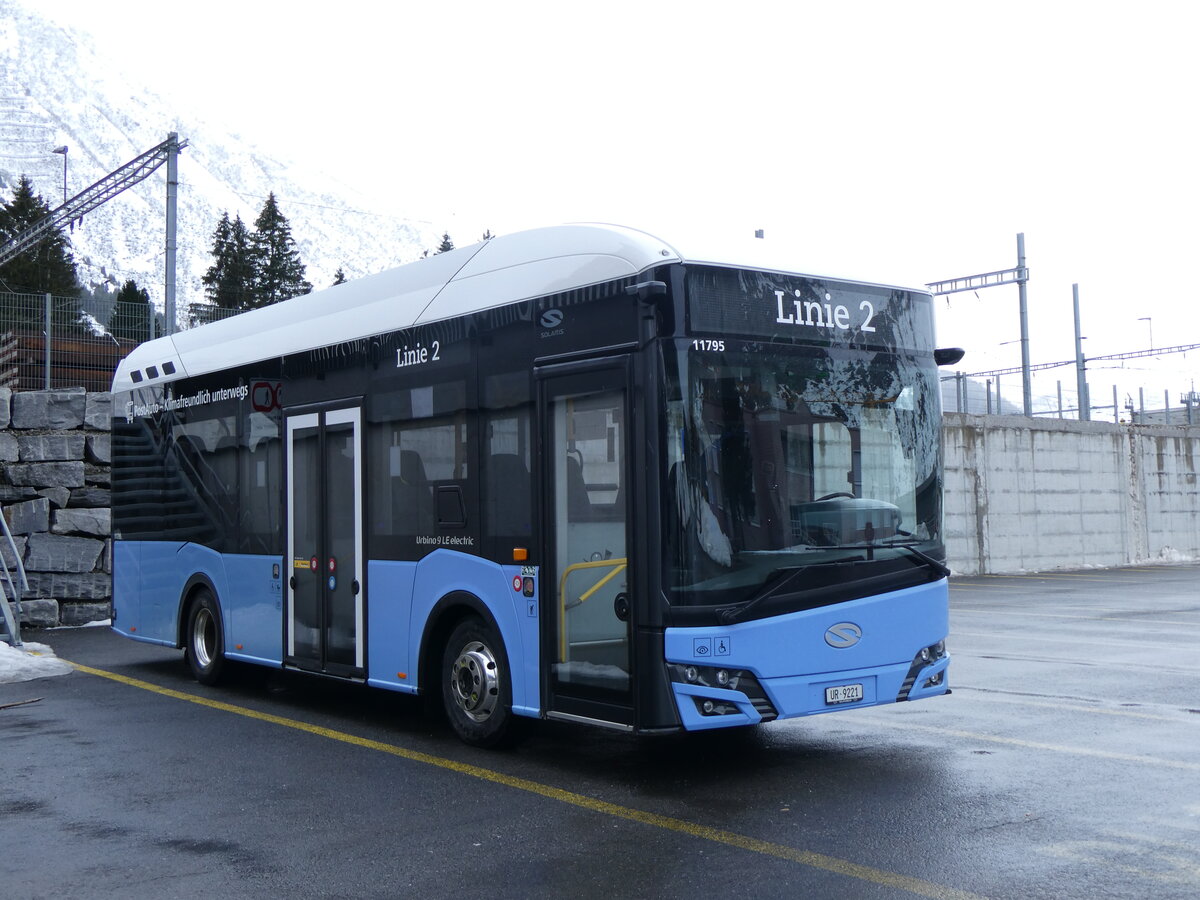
(412, 496)
(509, 488)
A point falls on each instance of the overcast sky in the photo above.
(902, 142)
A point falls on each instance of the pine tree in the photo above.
(487, 235)
(132, 313)
(445, 245)
(279, 273)
(339, 277)
(48, 266)
(229, 282)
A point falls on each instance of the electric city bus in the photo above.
(572, 473)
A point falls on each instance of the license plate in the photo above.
(843, 693)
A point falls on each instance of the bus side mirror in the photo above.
(646, 289)
(948, 356)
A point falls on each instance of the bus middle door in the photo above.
(323, 625)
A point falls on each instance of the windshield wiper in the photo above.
(777, 588)
(795, 583)
(909, 547)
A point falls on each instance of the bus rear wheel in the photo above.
(476, 692)
(204, 645)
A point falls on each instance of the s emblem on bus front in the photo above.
(551, 318)
(843, 635)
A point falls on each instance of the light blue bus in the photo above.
(573, 473)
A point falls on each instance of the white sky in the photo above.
(902, 142)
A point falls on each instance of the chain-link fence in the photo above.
(51, 343)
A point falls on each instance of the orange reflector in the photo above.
(520, 554)
(237, 646)
(402, 675)
(132, 628)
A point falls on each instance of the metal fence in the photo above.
(51, 343)
(1053, 397)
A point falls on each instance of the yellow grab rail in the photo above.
(618, 566)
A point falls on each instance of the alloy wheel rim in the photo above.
(204, 640)
(473, 681)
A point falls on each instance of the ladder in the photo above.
(10, 610)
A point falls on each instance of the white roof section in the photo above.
(505, 269)
(502, 270)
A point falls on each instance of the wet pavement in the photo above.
(1065, 764)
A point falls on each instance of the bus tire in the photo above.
(476, 690)
(204, 646)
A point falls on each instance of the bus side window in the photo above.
(412, 496)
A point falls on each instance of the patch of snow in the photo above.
(29, 662)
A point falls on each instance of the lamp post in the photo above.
(63, 151)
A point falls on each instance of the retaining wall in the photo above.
(1026, 495)
(55, 490)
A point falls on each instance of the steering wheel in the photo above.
(835, 495)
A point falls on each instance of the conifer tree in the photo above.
(487, 235)
(339, 277)
(445, 245)
(279, 273)
(132, 313)
(229, 282)
(48, 266)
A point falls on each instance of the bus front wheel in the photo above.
(205, 646)
(476, 692)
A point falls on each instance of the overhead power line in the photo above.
(1134, 354)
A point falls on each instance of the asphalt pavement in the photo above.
(1065, 764)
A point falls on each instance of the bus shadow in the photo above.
(717, 771)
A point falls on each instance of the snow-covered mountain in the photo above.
(56, 88)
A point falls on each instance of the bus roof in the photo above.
(504, 269)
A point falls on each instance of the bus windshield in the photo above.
(790, 469)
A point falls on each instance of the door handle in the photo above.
(292, 582)
(354, 587)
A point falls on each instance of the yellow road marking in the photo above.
(703, 832)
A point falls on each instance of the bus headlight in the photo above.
(924, 658)
(722, 680)
(726, 679)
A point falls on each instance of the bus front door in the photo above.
(586, 571)
(323, 627)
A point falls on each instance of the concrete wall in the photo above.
(1027, 495)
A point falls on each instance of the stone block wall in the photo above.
(55, 492)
